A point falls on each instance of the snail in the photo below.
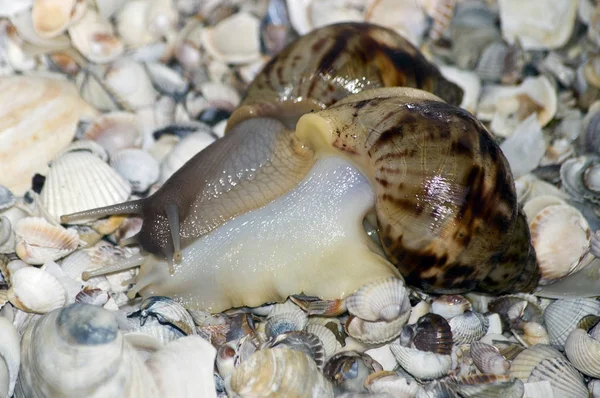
(322, 139)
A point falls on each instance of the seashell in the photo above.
(76, 263)
(51, 18)
(539, 25)
(526, 134)
(167, 80)
(407, 18)
(450, 306)
(138, 167)
(507, 106)
(468, 327)
(141, 23)
(183, 151)
(92, 296)
(289, 372)
(79, 180)
(224, 360)
(301, 341)
(307, 15)
(316, 306)
(499, 61)
(246, 49)
(348, 371)
(565, 380)
(561, 317)
(7, 236)
(392, 384)
(381, 300)
(582, 351)
(53, 108)
(421, 364)
(328, 339)
(590, 136)
(560, 150)
(7, 199)
(489, 386)
(529, 186)
(94, 38)
(377, 332)
(383, 355)
(10, 357)
(167, 312)
(580, 177)
(431, 333)
(39, 241)
(538, 203)
(535, 333)
(285, 322)
(129, 82)
(561, 237)
(470, 84)
(488, 359)
(418, 310)
(34, 290)
(88, 146)
(115, 131)
(526, 361)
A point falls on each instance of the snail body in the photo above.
(239, 222)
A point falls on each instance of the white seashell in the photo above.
(584, 352)
(392, 384)
(381, 300)
(535, 333)
(130, 82)
(538, 24)
(166, 80)
(488, 359)
(565, 380)
(384, 356)
(75, 264)
(406, 17)
(538, 203)
(39, 241)
(10, 356)
(289, 372)
(79, 181)
(524, 363)
(184, 368)
(421, 364)
(245, 48)
(330, 343)
(469, 82)
(183, 151)
(468, 327)
(220, 95)
(285, 322)
(420, 309)
(489, 386)
(53, 108)
(52, 17)
(35, 290)
(529, 186)
(10, 7)
(450, 306)
(115, 131)
(132, 23)
(562, 316)
(306, 15)
(525, 148)
(560, 150)
(378, 332)
(560, 235)
(106, 8)
(506, 106)
(94, 38)
(89, 146)
(138, 167)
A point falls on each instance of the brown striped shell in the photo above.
(335, 61)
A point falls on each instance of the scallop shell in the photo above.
(34, 290)
(536, 204)
(138, 167)
(80, 181)
(381, 300)
(421, 364)
(94, 38)
(524, 363)
(328, 339)
(450, 306)
(560, 235)
(377, 332)
(432, 333)
(489, 386)
(305, 342)
(565, 380)
(52, 17)
(289, 372)
(562, 316)
(584, 352)
(115, 131)
(245, 49)
(285, 322)
(580, 177)
(53, 108)
(39, 241)
(488, 359)
(468, 327)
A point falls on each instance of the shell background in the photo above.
(90, 87)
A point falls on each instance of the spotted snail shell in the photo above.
(445, 197)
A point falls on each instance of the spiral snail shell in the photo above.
(321, 136)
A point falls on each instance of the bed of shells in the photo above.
(138, 87)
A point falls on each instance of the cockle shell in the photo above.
(167, 312)
(565, 380)
(488, 359)
(39, 241)
(431, 333)
(79, 180)
(35, 290)
(450, 306)
(489, 386)
(53, 107)
(562, 316)
(330, 343)
(524, 363)
(378, 301)
(583, 350)
(421, 364)
(305, 342)
(468, 327)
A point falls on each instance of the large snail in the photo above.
(276, 207)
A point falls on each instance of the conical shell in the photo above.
(80, 181)
(39, 241)
(488, 359)
(381, 300)
(468, 327)
(561, 317)
(289, 372)
(528, 359)
(584, 352)
(34, 290)
(422, 365)
(565, 380)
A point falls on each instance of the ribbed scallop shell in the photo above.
(468, 327)
(489, 386)
(488, 359)
(39, 241)
(35, 290)
(528, 359)
(584, 352)
(565, 380)
(291, 373)
(377, 332)
(305, 342)
(281, 322)
(328, 339)
(381, 300)
(422, 365)
(80, 181)
(561, 317)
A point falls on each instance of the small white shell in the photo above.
(245, 48)
(378, 332)
(450, 306)
(525, 148)
(136, 166)
(535, 334)
(80, 181)
(39, 241)
(584, 352)
(381, 300)
(34, 290)
(421, 364)
(115, 131)
(468, 327)
(52, 17)
(94, 38)
(536, 204)
(167, 80)
(130, 82)
(468, 81)
(9, 354)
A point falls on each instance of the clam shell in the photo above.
(289, 372)
(584, 352)
(560, 235)
(421, 364)
(138, 167)
(392, 384)
(167, 80)
(80, 181)
(94, 38)
(52, 17)
(39, 241)
(115, 131)
(524, 363)
(245, 49)
(53, 108)
(565, 380)
(489, 386)
(536, 204)
(488, 359)
(561, 317)
(468, 327)
(328, 339)
(381, 300)
(89, 146)
(34, 290)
